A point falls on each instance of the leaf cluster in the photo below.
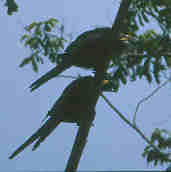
(159, 10)
(146, 56)
(162, 139)
(43, 42)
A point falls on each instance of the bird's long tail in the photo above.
(40, 135)
(66, 63)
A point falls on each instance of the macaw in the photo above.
(73, 106)
(91, 50)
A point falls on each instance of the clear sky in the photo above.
(112, 145)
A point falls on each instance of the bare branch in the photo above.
(121, 16)
(78, 146)
(129, 123)
(147, 98)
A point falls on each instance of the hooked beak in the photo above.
(105, 82)
(125, 37)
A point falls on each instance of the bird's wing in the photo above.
(74, 101)
(83, 46)
(88, 38)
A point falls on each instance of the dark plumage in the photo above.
(91, 50)
(72, 106)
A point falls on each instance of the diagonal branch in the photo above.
(78, 147)
(99, 77)
(121, 16)
(129, 123)
(148, 97)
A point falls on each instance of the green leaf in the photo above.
(52, 22)
(148, 77)
(163, 12)
(34, 65)
(38, 31)
(145, 17)
(47, 28)
(31, 26)
(123, 79)
(140, 20)
(140, 71)
(26, 61)
(25, 36)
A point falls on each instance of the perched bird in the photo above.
(72, 106)
(91, 50)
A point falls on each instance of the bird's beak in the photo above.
(125, 37)
(105, 82)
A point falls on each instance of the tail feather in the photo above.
(41, 134)
(49, 129)
(52, 73)
(23, 146)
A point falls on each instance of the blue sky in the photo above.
(112, 145)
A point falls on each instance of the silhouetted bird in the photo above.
(72, 106)
(91, 50)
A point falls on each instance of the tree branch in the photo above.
(78, 147)
(147, 98)
(129, 123)
(99, 77)
(121, 16)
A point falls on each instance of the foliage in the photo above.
(160, 10)
(162, 139)
(43, 42)
(146, 56)
(12, 6)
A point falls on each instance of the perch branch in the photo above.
(78, 147)
(129, 123)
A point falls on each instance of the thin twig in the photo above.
(129, 123)
(147, 98)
